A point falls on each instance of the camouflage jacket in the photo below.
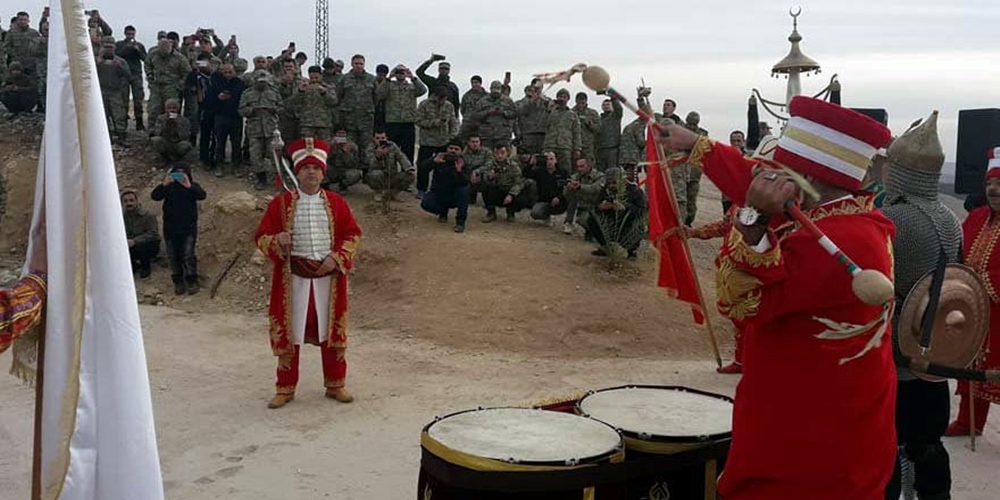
(591, 186)
(331, 79)
(609, 135)
(313, 108)
(495, 117)
(632, 149)
(400, 99)
(167, 69)
(475, 160)
(19, 44)
(562, 129)
(176, 130)
(437, 123)
(113, 75)
(470, 99)
(141, 226)
(590, 124)
(134, 53)
(504, 175)
(344, 156)
(392, 161)
(356, 93)
(286, 90)
(261, 111)
(532, 115)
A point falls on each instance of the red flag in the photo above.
(676, 269)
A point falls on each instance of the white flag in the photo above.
(98, 438)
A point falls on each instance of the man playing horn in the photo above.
(310, 236)
(814, 411)
(926, 232)
(981, 230)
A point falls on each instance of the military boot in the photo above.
(491, 216)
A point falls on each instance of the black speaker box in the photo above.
(978, 131)
(879, 115)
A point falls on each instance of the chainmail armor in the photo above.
(924, 226)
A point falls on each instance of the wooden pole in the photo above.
(36, 457)
(972, 414)
(665, 174)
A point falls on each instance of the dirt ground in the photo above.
(505, 314)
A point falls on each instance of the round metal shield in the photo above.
(960, 325)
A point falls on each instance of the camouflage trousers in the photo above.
(398, 181)
(359, 129)
(686, 180)
(115, 112)
(531, 144)
(42, 71)
(323, 133)
(588, 153)
(138, 95)
(171, 150)
(288, 127)
(342, 177)
(606, 158)
(158, 95)
(261, 157)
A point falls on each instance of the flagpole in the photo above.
(36, 453)
(665, 174)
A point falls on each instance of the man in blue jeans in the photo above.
(180, 196)
(450, 188)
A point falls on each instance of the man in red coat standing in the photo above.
(814, 414)
(311, 237)
(981, 230)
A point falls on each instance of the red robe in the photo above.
(981, 230)
(345, 234)
(807, 423)
(20, 308)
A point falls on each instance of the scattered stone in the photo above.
(240, 202)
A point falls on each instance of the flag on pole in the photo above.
(676, 269)
(98, 441)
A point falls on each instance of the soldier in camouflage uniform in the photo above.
(437, 122)
(581, 192)
(259, 106)
(473, 95)
(313, 104)
(532, 113)
(134, 53)
(503, 184)
(356, 93)
(562, 132)
(687, 178)
(115, 79)
(41, 54)
(21, 42)
(609, 136)
(475, 157)
(166, 70)
(400, 93)
(170, 133)
(590, 124)
(344, 162)
(288, 123)
(18, 92)
(494, 117)
(331, 77)
(387, 162)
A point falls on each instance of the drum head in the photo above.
(526, 436)
(662, 413)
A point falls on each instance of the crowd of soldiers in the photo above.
(536, 153)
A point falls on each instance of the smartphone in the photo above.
(177, 176)
(340, 140)
(172, 116)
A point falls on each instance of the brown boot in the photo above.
(340, 394)
(280, 400)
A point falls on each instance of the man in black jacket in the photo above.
(443, 79)
(180, 196)
(451, 185)
(224, 100)
(550, 181)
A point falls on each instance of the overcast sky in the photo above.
(908, 56)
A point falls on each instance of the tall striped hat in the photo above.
(993, 162)
(829, 142)
(308, 151)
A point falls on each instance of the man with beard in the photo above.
(502, 184)
(550, 181)
(356, 94)
(451, 186)
(494, 117)
(141, 231)
(590, 124)
(443, 79)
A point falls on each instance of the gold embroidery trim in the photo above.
(701, 147)
(738, 293)
(741, 252)
(979, 254)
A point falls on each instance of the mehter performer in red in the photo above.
(311, 237)
(815, 408)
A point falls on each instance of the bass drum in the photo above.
(676, 439)
(505, 453)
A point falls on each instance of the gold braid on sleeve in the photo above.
(701, 147)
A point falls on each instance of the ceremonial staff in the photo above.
(869, 285)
